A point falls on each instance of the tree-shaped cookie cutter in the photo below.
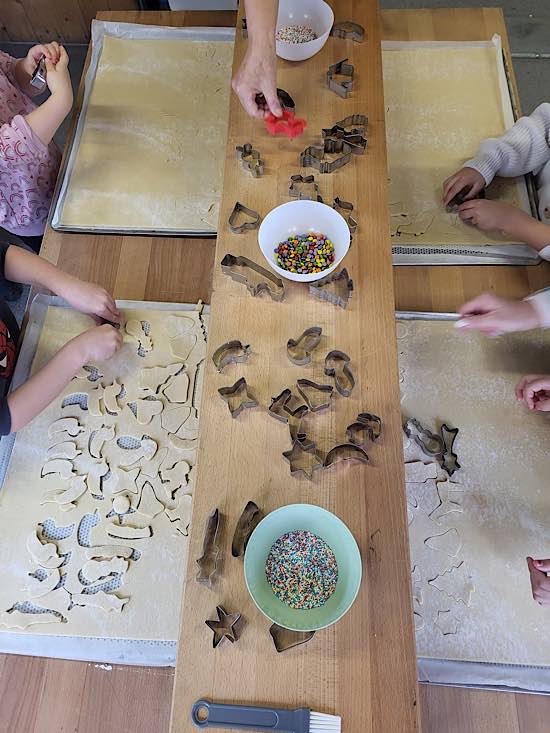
(348, 30)
(246, 524)
(272, 284)
(345, 209)
(238, 397)
(246, 225)
(250, 159)
(232, 352)
(208, 562)
(224, 627)
(340, 69)
(304, 187)
(299, 350)
(345, 453)
(323, 392)
(337, 366)
(313, 157)
(366, 423)
(285, 639)
(430, 443)
(339, 294)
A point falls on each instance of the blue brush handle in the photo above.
(245, 717)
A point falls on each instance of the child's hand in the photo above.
(465, 178)
(89, 298)
(57, 75)
(540, 582)
(494, 316)
(534, 390)
(492, 216)
(49, 50)
(96, 344)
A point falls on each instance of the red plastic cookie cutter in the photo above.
(287, 124)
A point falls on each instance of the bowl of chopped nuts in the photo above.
(303, 27)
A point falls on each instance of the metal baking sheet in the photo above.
(409, 253)
(477, 673)
(100, 29)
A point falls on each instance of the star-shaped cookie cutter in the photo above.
(238, 397)
(297, 453)
(337, 295)
(313, 157)
(250, 159)
(271, 284)
(340, 69)
(225, 627)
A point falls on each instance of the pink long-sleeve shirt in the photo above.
(28, 168)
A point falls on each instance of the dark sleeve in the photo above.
(5, 416)
(3, 249)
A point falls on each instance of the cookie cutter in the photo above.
(238, 397)
(450, 459)
(343, 288)
(460, 198)
(344, 453)
(281, 410)
(313, 157)
(225, 627)
(244, 28)
(232, 352)
(296, 454)
(295, 188)
(340, 68)
(248, 520)
(208, 562)
(246, 225)
(250, 160)
(324, 392)
(348, 31)
(284, 97)
(285, 639)
(355, 124)
(337, 366)
(365, 423)
(347, 207)
(430, 443)
(271, 283)
(299, 350)
(38, 78)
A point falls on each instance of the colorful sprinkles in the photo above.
(296, 34)
(302, 570)
(305, 253)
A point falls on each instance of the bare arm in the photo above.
(24, 68)
(44, 121)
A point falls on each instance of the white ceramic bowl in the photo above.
(315, 14)
(298, 217)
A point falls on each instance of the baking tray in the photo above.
(409, 253)
(476, 674)
(134, 31)
(91, 649)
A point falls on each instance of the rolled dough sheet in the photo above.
(153, 583)
(441, 102)
(151, 153)
(468, 381)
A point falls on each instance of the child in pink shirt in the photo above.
(29, 159)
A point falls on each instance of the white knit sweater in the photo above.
(524, 148)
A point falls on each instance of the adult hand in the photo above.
(89, 298)
(534, 390)
(258, 75)
(491, 315)
(540, 582)
(465, 178)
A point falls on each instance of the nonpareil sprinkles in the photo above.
(296, 34)
(302, 570)
(305, 253)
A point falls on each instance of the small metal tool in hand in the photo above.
(38, 78)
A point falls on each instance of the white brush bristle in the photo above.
(321, 723)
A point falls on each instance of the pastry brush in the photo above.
(244, 717)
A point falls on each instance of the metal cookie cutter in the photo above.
(38, 78)
(335, 288)
(296, 455)
(299, 350)
(233, 264)
(250, 160)
(450, 460)
(238, 397)
(316, 396)
(313, 157)
(347, 207)
(248, 520)
(232, 352)
(225, 627)
(344, 453)
(460, 198)
(280, 408)
(365, 423)
(352, 130)
(337, 366)
(285, 639)
(285, 100)
(304, 187)
(242, 209)
(348, 30)
(341, 68)
(431, 444)
(208, 561)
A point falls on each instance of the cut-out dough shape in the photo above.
(121, 481)
(151, 468)
(94, 570)
(110, 395)
(446, 622)
(19, 620)
(67, 450)
(152, 378)
(37, 588)
(182, 346)
(190, 428)
(418, 472)
(94, 401)
(121, 504)
(451, 495)
(149, 505)
(97, 440)
(68, 425)
(173, 417)
(66, 497)
(176, 477)
(134, 328)
(455, 583)
(58, 600)
(180, 517)
(58, 466)
(416, 576)
(147, 409)
(181, 444)
(448, 542)
(426, 496)
(178, 325)
(105, 601)
(126, 532)
(93, 479)
(177, 389)
(146, 451)
(42, 553)
(419, 622)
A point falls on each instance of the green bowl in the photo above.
(336, 535)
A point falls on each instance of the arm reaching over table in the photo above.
(540, 582)
(534, 390)
(258, 72)
(491, 315)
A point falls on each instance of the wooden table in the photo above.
(137, 699)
